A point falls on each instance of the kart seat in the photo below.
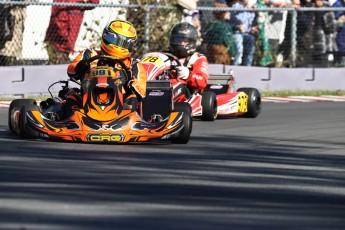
(158, 100)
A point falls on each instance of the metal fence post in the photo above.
(147, 29)
(294, 38)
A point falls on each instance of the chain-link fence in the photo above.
(46, 32)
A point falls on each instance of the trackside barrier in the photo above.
(26, 81)
(275, 79)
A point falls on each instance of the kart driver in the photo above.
(118, 40)
(194, 65)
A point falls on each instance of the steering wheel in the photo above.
(173, 58)
(113, 61)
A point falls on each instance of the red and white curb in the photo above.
(6, 104)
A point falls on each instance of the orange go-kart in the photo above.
(103, 116)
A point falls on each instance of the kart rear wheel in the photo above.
(209, 106)
(23, 131)
(14, 113)
(182, 136)
(254, 102)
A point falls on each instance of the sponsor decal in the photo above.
(204, 67)
(116, 25)
(132, 30)
(216, 87)
(43, 135)
(178, 92)
(228, 108)
(100, 72)
(198, 77)
(118, 82)
(118, 66)
(155, 93)
(149, 126)
(105, 137)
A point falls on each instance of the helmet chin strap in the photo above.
(103, 52)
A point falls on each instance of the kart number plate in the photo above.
(153, 59)
(242, 103)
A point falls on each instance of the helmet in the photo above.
(182, 39)
(118, 39)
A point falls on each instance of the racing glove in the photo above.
(182, 72)
(81, 69)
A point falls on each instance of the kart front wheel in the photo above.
(23, 131)
(209, 106)
(14, 113)
(182, 136)
(254, 102)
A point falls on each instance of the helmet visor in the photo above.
(179, 40)
(118, 40)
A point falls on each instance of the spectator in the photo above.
(63, 30)
(284, 49)
(6, 29)
(12, 28)
(227, 2)
(320, 26)
(263, 52)
(218, 38)
(340, 41)
(244, 33)
(193, 17)
(331, 27)
(187, 4)
(276, 27)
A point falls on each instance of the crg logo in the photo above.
(105, 137)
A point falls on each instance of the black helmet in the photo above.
(182, 39)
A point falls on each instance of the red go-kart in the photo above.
(219, 99)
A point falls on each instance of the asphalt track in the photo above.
(283, 170)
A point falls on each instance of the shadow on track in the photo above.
(217, 182)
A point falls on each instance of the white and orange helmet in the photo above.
(118, 39)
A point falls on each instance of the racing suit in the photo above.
(198, 76)
(136, 86)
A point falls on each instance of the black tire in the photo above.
(254, 102)
(23, 130)
(209, 106)
(182, 136)
(183, 107)
(16, 106)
